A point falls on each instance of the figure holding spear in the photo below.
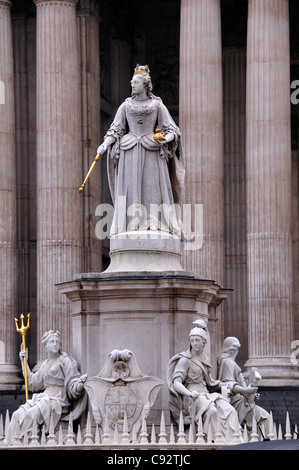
(23, 353)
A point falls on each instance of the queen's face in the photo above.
(197, 343)
(137, 85)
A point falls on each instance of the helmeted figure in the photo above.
(196, 393)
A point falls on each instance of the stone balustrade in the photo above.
(91, 436)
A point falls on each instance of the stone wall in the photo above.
(10, 400)
(279, 400)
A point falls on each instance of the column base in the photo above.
(275, 371)
(10, 377)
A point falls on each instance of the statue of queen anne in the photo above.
(144, 173)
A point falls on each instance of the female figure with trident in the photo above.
(23, 330)
(62, 385)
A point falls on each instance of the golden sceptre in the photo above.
(89, 172)
(23, 330)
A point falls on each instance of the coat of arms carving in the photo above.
(120, 390)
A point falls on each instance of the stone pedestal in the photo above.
(149, 314)
(145, 251)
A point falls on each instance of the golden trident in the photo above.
(23, 330)
(89, 171)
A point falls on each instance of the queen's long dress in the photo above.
(143, 174)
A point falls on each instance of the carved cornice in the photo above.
(56, 2)
(89, 9)
(5, 4)
(90, 6)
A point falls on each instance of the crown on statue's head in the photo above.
(49, 333)
(140, 69)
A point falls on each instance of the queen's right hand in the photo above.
(102, 149)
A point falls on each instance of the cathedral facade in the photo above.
(228, 71)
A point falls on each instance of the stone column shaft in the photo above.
(234, 101)
(8, 337)
(201, 123)
(268, 159)
(22, 159)
(88, 27)
(59, 162)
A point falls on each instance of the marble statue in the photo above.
(200, 323)
(242, 396)
(145, 171)
(196, 393)
(121, 390)
(62, 390)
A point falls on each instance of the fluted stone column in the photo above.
(234, 104)
(22, 159)
(268, 160)
(59, 153)
(88, 28)
(8, 345)
(201, 123)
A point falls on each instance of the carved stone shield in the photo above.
(120, 390)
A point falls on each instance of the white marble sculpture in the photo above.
(63, 390)
(200, 323)
(144, 172)
(121, 391)
(242, 395)
(196, 393)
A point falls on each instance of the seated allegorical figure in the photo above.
(62, 390)
(196, 393)
(242, 395)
